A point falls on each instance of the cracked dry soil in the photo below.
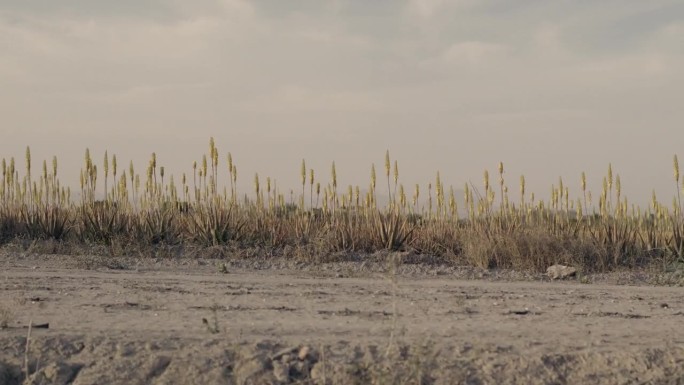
(188, 324)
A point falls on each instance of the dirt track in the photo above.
(192, 324)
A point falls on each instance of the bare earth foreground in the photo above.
(189, 322)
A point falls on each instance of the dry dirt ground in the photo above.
(196, 322)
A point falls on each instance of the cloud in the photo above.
(472, 52)
(478, 70)
(95, 54)
(428, 9)
(425, 8)
(294, 99)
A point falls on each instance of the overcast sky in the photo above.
(551, 88)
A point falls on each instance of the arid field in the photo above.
(138, 278)
(96, 320)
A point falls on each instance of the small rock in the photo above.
(525, 311)
(560, 271)
(303, 352)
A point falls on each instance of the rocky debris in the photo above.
(560, 271)
(254, 370)
(59, 373)
(218, 362)
(287, 366)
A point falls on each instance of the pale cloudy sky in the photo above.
(551, 88)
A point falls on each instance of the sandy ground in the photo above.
(189, 323)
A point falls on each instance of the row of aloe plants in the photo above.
(483, 228)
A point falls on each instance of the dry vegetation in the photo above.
(153, 211)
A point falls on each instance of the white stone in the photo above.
(560, 271)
